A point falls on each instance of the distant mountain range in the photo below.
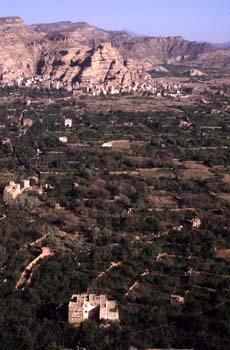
(223, 45)
(133, 33)
(78, 52)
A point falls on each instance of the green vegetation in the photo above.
(130, 206)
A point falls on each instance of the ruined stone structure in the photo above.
(27, 122)
(177, 300)
(196, 222)
(87, 306)
(13, 190)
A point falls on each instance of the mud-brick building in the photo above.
(13, 190)
(90, 306)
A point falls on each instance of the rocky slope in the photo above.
(147, 50)
(77, 52)
(218, 60)
(75, 32)
(84, 64)
(159, 50)
(19, 47)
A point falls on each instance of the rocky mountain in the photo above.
(20, 48)
(80, 63)
(147, 50)
(65, 52)
(80, 32)
(218, 60)
(158, 50)
(78, 52)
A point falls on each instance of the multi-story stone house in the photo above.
(90, 306)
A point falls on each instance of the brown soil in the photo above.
(156, 173)
(161, 201)
(227, 178)
(195, 170)
(224, 196)
(223, 254)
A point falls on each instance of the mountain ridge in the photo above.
(66, 50)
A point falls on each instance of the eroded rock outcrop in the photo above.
(158, 50)
(86, 65)
(19, 47)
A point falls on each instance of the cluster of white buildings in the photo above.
(22, 81)
(36, 81)
(148, 86)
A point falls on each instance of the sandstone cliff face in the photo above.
(73, 32)
(19, 48)
(147, 50)
(103, 64)
(66, 52)
(77, 52)
(87, 65)
(93, 55)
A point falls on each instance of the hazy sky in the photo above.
(203, 20)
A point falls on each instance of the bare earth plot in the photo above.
(227, 178)
(161, 201)
(223, 254)
(224, 196)
(157, 173)
(196, 170)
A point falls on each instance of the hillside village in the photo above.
(144, 85)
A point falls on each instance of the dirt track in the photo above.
(25, 276)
